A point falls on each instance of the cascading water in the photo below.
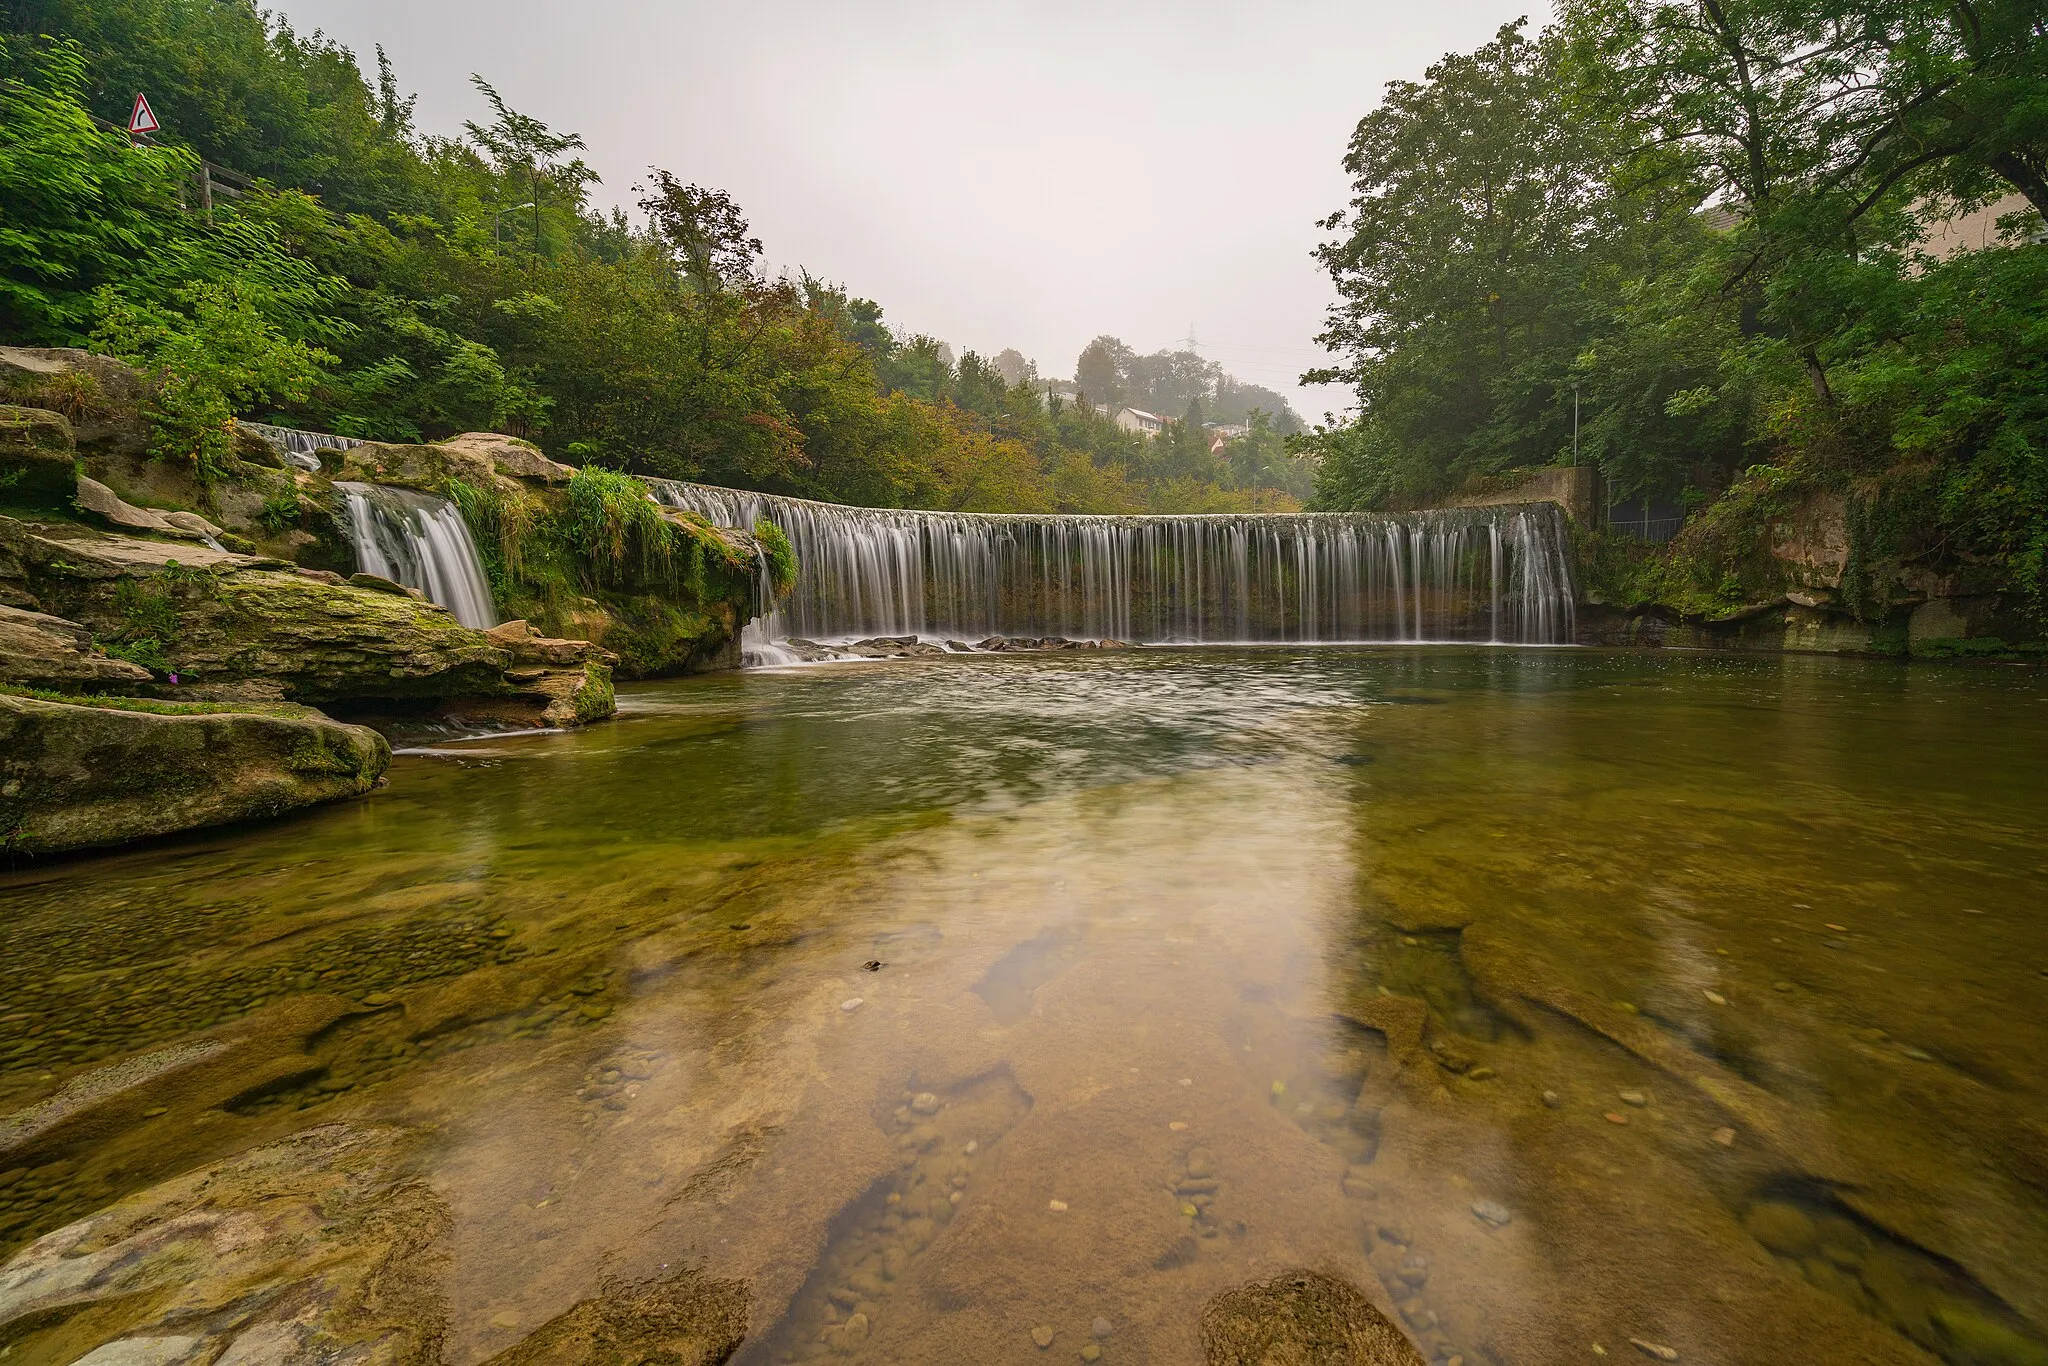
(1486, 574)
(299, 447)
(421, 541)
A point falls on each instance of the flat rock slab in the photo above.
(82, 777)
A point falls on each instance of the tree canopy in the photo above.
(1696, 243)
(388, 283)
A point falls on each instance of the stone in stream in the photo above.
(1491, 1212)
(1654, 1349)
(924, 1103)
(1101, 1328)
(1552, 1099)
(85, 776)
(1043, 1335)
(1301, 1316)
(1634, 1098)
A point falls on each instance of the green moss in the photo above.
(1957, 647)
(781, 556)
(596, 700)
(150, 609)
(156, 708)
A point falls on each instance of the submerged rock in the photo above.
(318, 1244)
(80, 777)
(1301, 1317)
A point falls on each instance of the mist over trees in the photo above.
(1701, 241)
(1175, 384)
(395, 284)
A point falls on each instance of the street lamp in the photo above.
(497, 231)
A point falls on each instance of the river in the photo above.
(1563, 999)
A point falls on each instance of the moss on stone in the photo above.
(80, 777)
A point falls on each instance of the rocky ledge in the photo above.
(198, 624)
(101, 771)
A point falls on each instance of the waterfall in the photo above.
(299, 446)
(1497, 574)
(421, 541)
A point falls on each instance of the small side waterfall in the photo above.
(299, 446)
(1496, 574)
(421, 541)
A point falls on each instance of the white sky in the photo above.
(1029, 174)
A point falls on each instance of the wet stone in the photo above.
(924, 1103)
(1043, 1335)
(1101, 1328)
(1491, 1212)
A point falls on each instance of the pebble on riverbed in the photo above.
(1491, 1212)
(850, 1006)
(1654, 1349)
(1043, 1335)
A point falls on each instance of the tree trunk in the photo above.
(2028, 180)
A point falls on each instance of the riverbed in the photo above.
(993, 1008)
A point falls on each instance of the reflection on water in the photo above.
(982, 1007)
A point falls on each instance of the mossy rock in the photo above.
(38, 459)
(82, 777)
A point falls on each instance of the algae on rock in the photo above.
(80, 777)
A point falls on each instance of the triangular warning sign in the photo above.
(143, 120)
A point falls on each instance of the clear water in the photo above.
(1247, 959)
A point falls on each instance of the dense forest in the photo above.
(386, 282)
(1708, 245)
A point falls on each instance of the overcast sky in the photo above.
(1026, 174)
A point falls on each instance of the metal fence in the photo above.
(1655, 530)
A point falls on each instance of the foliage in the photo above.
(209, 354)
(431, 286)
(280, 512)
(1683, 240)
(82, 207)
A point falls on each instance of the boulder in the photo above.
(511, 457)
(86, 776)
(1812, 541)
(38, 458)
(38, 651)
(100, 396)
(1301, 1318)
(103, 505)
(481, 459)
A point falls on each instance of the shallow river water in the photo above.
(1574, 1004)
